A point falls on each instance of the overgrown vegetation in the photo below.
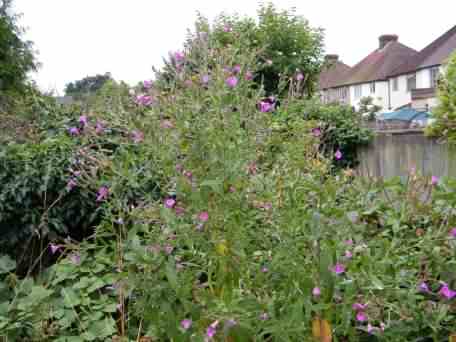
(205, 210)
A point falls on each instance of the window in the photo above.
(411, 82)
(395, 83)
(358, 91)
(372, 88)
(434, 75)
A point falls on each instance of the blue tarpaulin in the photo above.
(406, 114)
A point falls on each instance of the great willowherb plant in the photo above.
(222, 223)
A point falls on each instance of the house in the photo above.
(414, 82)
(334, 71)
(370, 76)
(394, 75)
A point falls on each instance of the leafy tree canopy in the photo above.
(87, 86)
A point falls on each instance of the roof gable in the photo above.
(332, 74)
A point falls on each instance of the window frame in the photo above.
(409, 78)
(358, 90)
(396, 84)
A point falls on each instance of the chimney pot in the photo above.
(386, 38)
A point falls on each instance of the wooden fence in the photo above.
(395, 153)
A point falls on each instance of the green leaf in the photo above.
(6, 264)
(70, 298)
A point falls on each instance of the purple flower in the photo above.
(237, 69)
(266, 106)
(71, 184)
(348, 242)
(434, 180)
(300, 76)
(83, 120)
(227, 28)
(359, 307)
(370, 328)
(248, 76)
(264, 316)
(316, 292)
(338, 155)
(264, 269)
(54, 248)
(186, 324)
(231, 81)
(316, 132)
(338, 269)
(205, 79)
(179, 167)
(179, 211)
(99, 128)
(453, 232)
(188, 174)
(203, 216)
(382, 326)
(73, 131)
(232, 189)
(348, 254)
(75, 258)
(137, 136)
(423, 287)
(170, 203)
(446, 292)
(361, 316)
(102, 194)
(147, 84)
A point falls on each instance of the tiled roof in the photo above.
(434, 54)
(333, 74)
(379, 64)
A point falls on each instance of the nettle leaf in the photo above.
(70, 298)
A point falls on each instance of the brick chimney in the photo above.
(331, 59)
(386, 38)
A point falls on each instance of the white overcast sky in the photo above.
(76, 38)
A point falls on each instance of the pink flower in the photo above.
(434, 180)
(179, 211)
(170, 203)
(348, 242)
(264, 269)
(248, 75)
(144, 100)
(300, 76)
(338, 155)
(73, 131)
(446, 292)
(370, 328)
(205, 79)
(359, 307)
(169, 249)
(338, 269)
(75, 258)
(147, 84)
(453, 232)
(233, 189)
(382, 326)
(71, 184)
(203, 216)
(227, 28)
(99, 128)
(188, 174)
(264, 316)
(237, 69)
(348, 254)
(166, 124)
(423, 287)
(102, 194)
(179, 56)
(231, 81)
(137, 136)
(83, 120)
(179, 167)
(266, 106)
(186, 324)
(316, 132)
(316, 292)
(212, 330)
(54, 248)
(361, 316)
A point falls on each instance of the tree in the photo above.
(445, 114)
(16, 55)
(287, 48)
(87, 86)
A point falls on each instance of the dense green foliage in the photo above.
(219, 218)
(445, 113)
(289, 52)
(16, 57)
(87, 86)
